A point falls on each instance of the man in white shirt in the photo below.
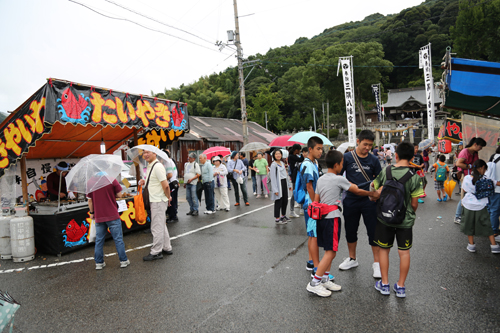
(494, 200)
(159, 195)
(192, 172)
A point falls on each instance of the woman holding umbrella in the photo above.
(220, 173)
(280, 184)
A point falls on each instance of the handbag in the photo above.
(140, 211)
(239, 180)
(145, 195)
(92, 232)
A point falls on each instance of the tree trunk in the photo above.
(361, 108)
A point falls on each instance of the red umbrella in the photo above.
(215, 151)
(282, 141)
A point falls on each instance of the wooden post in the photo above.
(137, 167)
(24, 183)
(377, 138)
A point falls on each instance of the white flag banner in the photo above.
(345, 64)
(425, 62)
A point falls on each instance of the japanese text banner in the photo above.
(345, 66)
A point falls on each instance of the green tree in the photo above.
(477, 30)
(266, 101)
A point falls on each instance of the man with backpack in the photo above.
(361, 168)
(440, 176)
(398, 202)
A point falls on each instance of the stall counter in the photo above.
(67, 230)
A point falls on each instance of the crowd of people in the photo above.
(382, 186)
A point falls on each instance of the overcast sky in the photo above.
(62, 39)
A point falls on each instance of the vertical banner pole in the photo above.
(425, 62)
(346, 64)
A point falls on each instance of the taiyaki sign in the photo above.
(76, 104)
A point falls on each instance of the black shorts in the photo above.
(384, 236)
(353, 209)
(328, 231)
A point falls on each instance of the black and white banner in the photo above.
(376, 93)
(346, 64)
(425, 62)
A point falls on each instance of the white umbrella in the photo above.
(343, 147)
(94, 172)
(390, 146)
(135, 154)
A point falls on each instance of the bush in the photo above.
(346, 132)
(358, 130)
(334, 133)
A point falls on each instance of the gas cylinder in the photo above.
(5, 248)
(22, 238)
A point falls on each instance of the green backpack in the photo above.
(441, 173)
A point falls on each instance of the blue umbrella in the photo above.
(303, 137)
(423, 145)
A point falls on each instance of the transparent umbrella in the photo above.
(254, 146)
(94, 172)
(425, 144)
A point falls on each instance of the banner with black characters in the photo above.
(345, 64)
(376, 93)
(425, 63)
(77, 104)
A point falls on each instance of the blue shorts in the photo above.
(312, 233)
(329, 233)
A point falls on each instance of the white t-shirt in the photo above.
(330, 188)
(496, 173)
(190, 170)
(171, 168)
(470, 201)
(156, 193)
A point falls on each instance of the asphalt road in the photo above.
(244, 274)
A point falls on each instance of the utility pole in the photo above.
(314, 118)
(241, 76)
(328, 118)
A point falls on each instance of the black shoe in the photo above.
(168, 253)
(175, 219)
(151, 257)
(195, 213)
(147, 231)
(190, 212)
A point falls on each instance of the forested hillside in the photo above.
(289, 81)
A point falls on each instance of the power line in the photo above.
(127, 20)
(155, 20)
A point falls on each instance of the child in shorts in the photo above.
(439, 184)
(329, 191)
(385, 233)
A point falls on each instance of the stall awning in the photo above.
(472, 85)
(69, 120)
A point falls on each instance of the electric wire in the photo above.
(157, 21)
(143, 26)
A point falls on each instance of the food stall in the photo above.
(66, 121)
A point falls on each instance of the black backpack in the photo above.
(391, 206)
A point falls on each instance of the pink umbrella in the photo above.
(282, 141)
(215, 151)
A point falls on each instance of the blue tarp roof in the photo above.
(474, 77)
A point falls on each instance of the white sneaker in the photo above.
(265, 196)
(471, 247)
(331, 286)
(376, 270)
(497, 238)
(293, 214)
(348, 263)
(209, 212)
(254, 193)
(258, 196)
(301, 212)
(318, 290)
(100, 266)
(124, 264)
(297, 205)
(495, 248)
(227, 209)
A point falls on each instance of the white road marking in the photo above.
(134, 249)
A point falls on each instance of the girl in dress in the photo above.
(475, 216)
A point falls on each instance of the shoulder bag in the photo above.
(145, 194)
(360, 166)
